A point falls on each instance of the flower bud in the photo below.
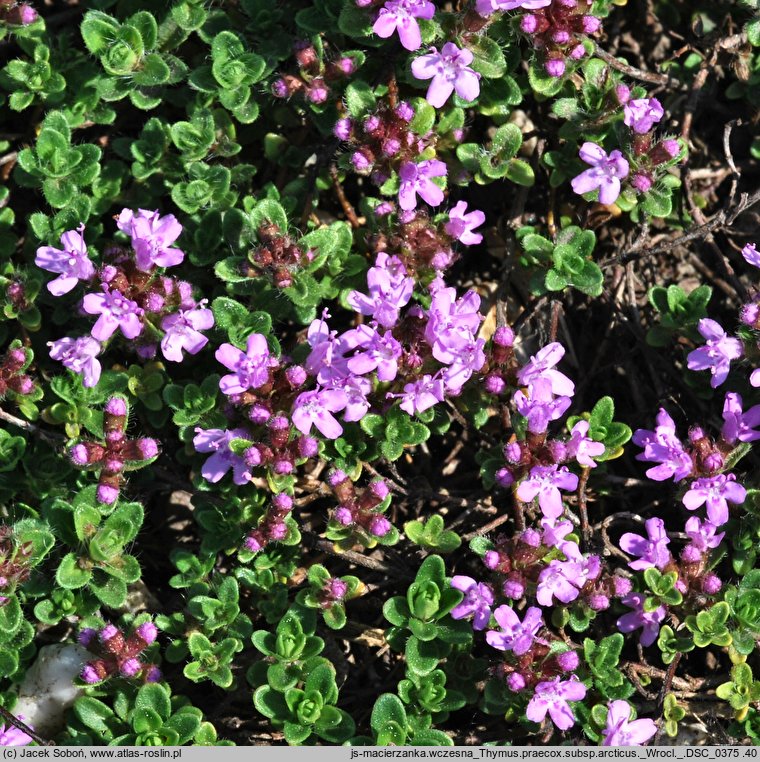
(360, 162)
(598, 602)
(504, 336)
(568, 661)
(641, 182)
(404, 111)
(504, 478)
(342, 129)
(147, 447)
(109, 632)
(623, 94)
(90, 675)
(283, 466)
(308, 447)
(514, 588)
(259, 414)
(253, 542)
(87, 636)
(560, 36)
(555, 67)
(154, 302)
(147, 632)
(347, 65)
(15, 359)
(515, 682)
(379, 489)
(750, 314)
(494, 384)
(283, 502)
(531, 538)
(379, 526)
(591, 24)
(713, 462)
(253, 456)
(278, 530)
(344, 516)
(317, 92)
(711, 584)
(113, 465)
(336, 588)
(621, 585)
(513, 452)
(79, 455)
(107, 494)
(529, 23)
(116, 406)
(130, 667)
(296, 376)
(578, 52)
(152, 674)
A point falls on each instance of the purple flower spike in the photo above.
(478, 599)
(80, 356)
(664, 447)
(739, 425)
(648, 621)
(515, 635)
(182, 332)
(316, 408)
(116, 312)
(71, 262)
(581, 447)
(552, 697)
(415, 181)
(717, 491)
(751, 254)
(717, 354)
(462, 223)
(401, 16)
(217, 441)
(651, 552)
(152, 237)
(449, 71)
(250, 369)
(642, 114)
(620, 731)
(605, 174)
(546, 482)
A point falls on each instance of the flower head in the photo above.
(739, 425)
(552, 696)
(652, 551)
(664, 447)
(717, 491)
(79, 355)
(116, 312)
(182, 331)
(401, 16)
(152, 236)
(462, 223)
(605, 174)
(546, 482)
(581, 447)
(415, 181)
(486, 7)
(716, 356)
(620, 731)
(449, 71)
(316, 408)
(71, 262)
(648, 621)
(541, 365)
(250, 369)
(390, 289)
(515, 636)
(217, 441)
(642, 114)
(478, 599)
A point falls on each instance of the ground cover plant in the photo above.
(379, 372)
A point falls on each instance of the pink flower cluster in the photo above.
(117, 654)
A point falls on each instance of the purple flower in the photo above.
(380, 352)
(642, 114)
(751, 254)
(737, 424)
(581, 447)
(12, 736)
(217, 441)
(182, 332)
(515, 635)
(421, 394)
(541, 365)
(79, 355)
(356, 390)
(717, 491)
(546, 482)
(647, 621)
(250, 369)
(72, 262)
(539, 405)
(469, 359)
(449, 70)
(651, 552)
(478, 599)
(717, 353)
(316, 408)
(152, 237)
(326, 359)
(487, 7)
(116, 311)
(401, 16)
(552, 697)
(620, 731)
(389, 290)
(462, 223)
(554, 533)
(664, 447)
(703, 535)
(415, 181)
(564, 579)
(605, 174)
(452, 324)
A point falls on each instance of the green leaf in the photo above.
(360, 99)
